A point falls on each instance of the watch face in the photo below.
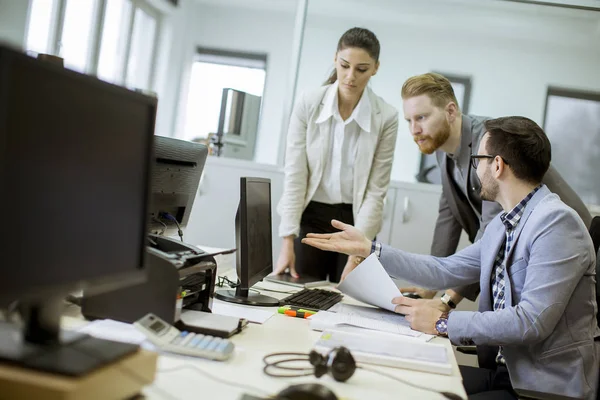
(442, 326)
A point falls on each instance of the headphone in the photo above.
(338, 363)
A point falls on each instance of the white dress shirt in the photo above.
(337, 183)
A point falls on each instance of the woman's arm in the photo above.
(370, 216)
(291, 204)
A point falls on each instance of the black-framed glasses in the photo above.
(476, 157)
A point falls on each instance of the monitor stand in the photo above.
(39, 345)
(247, 297)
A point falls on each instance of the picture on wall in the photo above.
(428, 168)
(572, 123)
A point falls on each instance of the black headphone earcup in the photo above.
(315, 358)
(343, 364)
(320, 370)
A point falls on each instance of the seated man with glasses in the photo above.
(535, 267)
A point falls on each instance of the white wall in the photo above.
(13, 20)
(212, 220)
(233, 28)
(511, 51)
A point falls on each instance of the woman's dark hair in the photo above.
(360, 38)
(522, 144)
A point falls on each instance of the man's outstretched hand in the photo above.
(350, 240)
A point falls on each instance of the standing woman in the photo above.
(340, 148)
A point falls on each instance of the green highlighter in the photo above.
(283, 309)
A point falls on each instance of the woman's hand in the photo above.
(287, 258)
(350, 240)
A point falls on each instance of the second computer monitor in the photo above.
(254, 242)
(176, 172)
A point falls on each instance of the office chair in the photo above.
(595, 232)
(597, 292)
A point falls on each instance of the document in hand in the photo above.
(389, 350)
(370, 284)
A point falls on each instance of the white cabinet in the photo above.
(413, 217)
(411, 222)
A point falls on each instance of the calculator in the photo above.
(171, 339)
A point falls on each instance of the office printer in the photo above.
(179, 275)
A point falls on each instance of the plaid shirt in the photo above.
(510, 220)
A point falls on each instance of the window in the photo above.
(572, 123)
(113, 39)
(213, 71)
(74, 45)
(142, 49)
(428, 168)
(40, 18)
(117, 18)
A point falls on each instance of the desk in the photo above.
(283, 333)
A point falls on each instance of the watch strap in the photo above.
(447, 300)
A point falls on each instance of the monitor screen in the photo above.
(258, 229)
(254, 243)
(74, 166)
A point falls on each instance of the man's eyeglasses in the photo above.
(476, 157)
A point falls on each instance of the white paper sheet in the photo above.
(114, 330)
(378, 314)
(324, 320)
(252, 314)
(370, 284)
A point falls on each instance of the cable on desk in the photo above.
(223, 381)
(162, 223)
(223, 280)
(271, 290)
(448, 395)
(171, 218)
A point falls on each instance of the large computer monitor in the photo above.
(254, 243)
(176, 173)
(75, 156)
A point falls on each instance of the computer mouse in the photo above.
(411, 295)
(307, 391)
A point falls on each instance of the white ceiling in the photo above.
(501, 18)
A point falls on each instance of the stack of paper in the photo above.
(365, 317)
(389, 350)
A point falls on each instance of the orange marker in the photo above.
(298, 314)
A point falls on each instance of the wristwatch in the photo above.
(441, 325)
(447, 300)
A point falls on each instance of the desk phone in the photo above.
(171, 339)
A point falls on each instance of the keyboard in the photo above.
(317, 299)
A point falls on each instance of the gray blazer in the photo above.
(548, 327)
(458, 212)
